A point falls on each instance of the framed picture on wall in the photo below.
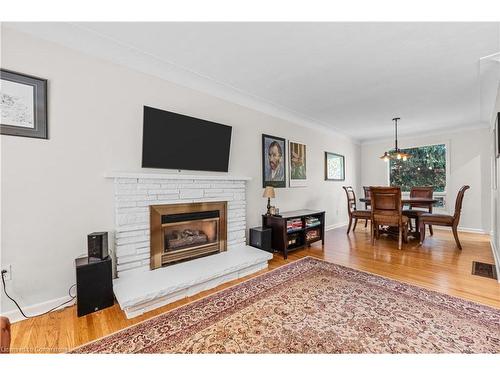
(23, 105)
(334, 167)
(273, 161)
(497, 135)
(297, 164)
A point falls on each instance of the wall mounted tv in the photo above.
(174, 141)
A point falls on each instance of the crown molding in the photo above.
(445, 131)
(78, 37)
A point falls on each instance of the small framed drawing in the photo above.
(297, 164)
(334, 167)
(273, 161)
(23, 105)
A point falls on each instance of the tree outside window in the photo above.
(425, 167)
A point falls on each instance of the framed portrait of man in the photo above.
(297, 162)
(273, 161)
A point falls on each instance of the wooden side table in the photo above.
(285, 240)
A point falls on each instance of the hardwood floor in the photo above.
(436, 265)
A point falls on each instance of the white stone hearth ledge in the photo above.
(144, 291)
(175, 176)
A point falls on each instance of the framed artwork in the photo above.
(497, 135)
(23, 105)
(334, 167)
(297, 164)
(273, 161)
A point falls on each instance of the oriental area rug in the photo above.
(312, 306)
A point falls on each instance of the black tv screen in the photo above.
(175, 141)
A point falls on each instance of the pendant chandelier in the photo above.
(396, 153)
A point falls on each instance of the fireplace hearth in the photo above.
(180, 232)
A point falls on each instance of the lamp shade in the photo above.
(268, 192)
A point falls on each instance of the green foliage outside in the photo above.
(426, 167)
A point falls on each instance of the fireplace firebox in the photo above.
(180, 232)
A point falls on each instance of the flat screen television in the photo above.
(174, 141)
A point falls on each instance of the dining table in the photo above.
(416, 201)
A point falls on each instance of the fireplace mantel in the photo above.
(175, 176)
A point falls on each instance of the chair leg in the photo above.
(411, 224)
(421, 232)
(455, 234)
(405, 234)
(349, 227)
(430, 230)
(366, 222)
(400, 237)
(372, 232)
(355, 223)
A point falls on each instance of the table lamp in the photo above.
(268, 193)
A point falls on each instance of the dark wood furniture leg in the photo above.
(455, 234)
(421, 232)
(349, 227)
(430, 226)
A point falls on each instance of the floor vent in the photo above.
(484, 270)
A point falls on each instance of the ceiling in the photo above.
(350, 77)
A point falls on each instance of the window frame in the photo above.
(444, 193)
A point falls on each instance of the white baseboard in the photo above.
(335, 226)
(16, 316)
(496, 257)
(463, 229)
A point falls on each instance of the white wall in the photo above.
(54, 192)
(469, 164)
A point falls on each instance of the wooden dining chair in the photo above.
(444, 220)
(411, 213)
(387, 210)
(367, 204)
(354, 213)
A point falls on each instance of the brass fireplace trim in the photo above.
(156, 232)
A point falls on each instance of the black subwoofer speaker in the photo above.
(98, 245)
(94, 286)
(260, 237)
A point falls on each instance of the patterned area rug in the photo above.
(312, 306)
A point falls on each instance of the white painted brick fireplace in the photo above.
(135, 192)
(138, 288)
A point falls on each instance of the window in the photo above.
(425, 167)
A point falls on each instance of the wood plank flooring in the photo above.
(437, 265)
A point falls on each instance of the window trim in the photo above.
(448, 174)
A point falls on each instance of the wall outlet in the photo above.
(8, 275)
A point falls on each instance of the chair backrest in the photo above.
(367, 191)
(386, 203)
(351, 198)
(458, 203)
(421, 192)
(367, 195)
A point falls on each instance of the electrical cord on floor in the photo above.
(34, 316)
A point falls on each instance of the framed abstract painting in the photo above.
(23, 105)
(334, 167)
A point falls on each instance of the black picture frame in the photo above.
(336, 156)
(279, 179)
(25, 111)
(497, 136)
